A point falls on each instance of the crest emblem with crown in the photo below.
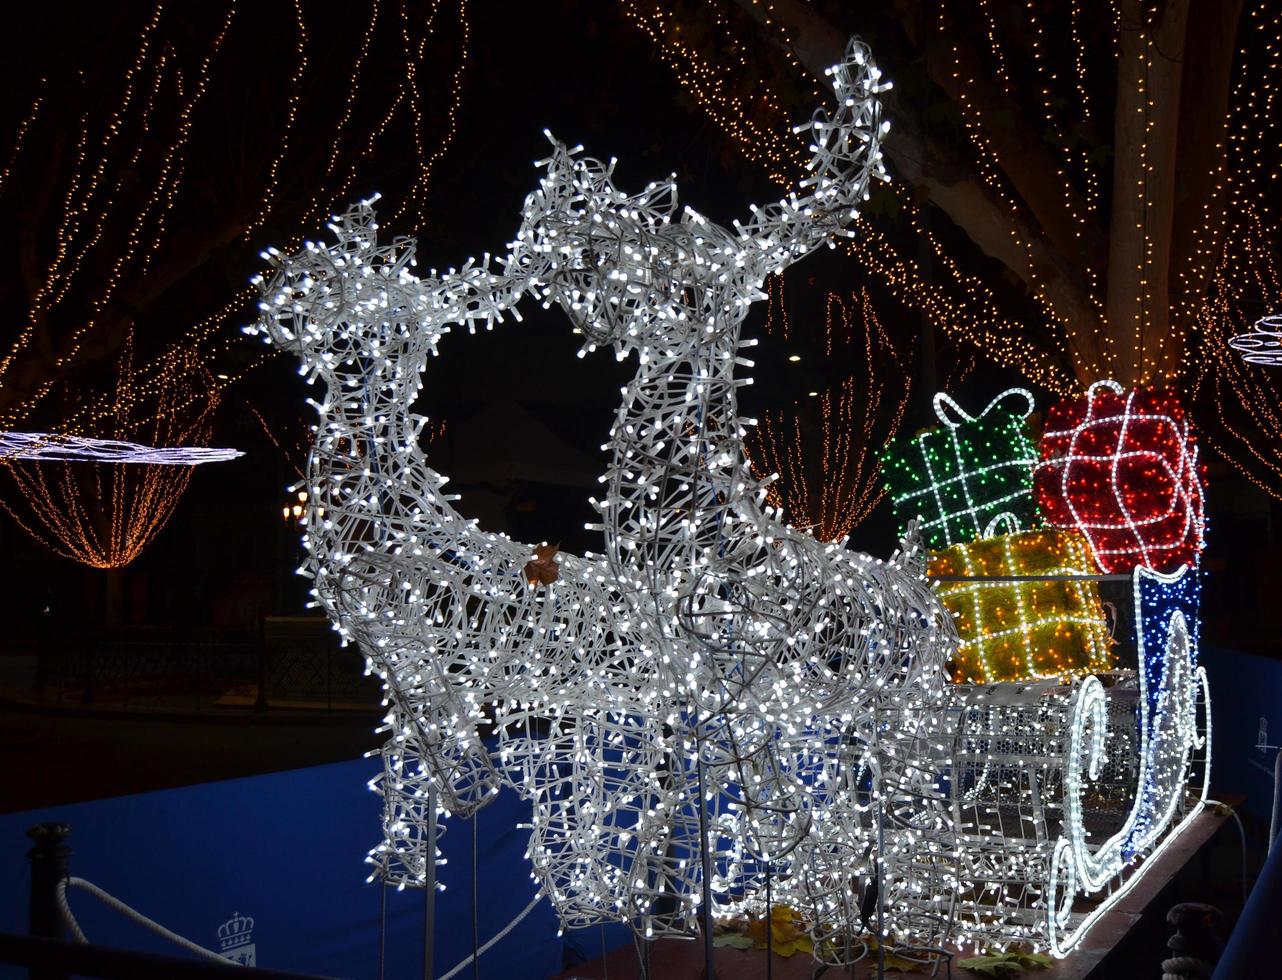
(236, 940)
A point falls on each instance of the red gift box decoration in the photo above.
(1121, 467)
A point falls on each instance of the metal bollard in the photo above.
(1196, 946)
(48, 868)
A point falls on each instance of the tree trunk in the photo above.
(1145, 124)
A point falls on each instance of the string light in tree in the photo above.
(961, 475)
(102, 502)
(1121, 467)
(1241, 397)
(759, 125)
(960, 304)
(118, 238)
(1059, 84)
(1245, 396)
(830, 484)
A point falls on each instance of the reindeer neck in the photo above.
(676, 450)
(365, 429)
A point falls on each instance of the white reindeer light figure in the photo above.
(704, 705)
(789, 646)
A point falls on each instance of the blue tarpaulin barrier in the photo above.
(1251, 952)
(286, 850)
(1244, 689)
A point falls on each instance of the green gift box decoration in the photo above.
(960, 476)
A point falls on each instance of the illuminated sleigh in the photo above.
(1056, 795)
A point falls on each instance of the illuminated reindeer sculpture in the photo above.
(705, 704)
(785, 648)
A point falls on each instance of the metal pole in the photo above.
(382, 928)
(705, 858)
(48, 869)
(770, 945)
(476, 932)
(260, 701)
(881, 879)
(1277, 798)
(429, 900)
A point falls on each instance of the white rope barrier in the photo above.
(68, 919)
(112, 902)
(499, 936)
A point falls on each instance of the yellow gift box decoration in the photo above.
(1021, 630)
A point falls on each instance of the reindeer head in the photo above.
(622, 268)
(343, 308)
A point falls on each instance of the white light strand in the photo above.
(710, 647)
(1263, 344)
(55, 447)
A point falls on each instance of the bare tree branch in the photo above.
(37, 367)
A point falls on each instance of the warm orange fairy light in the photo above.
(761, 126)
(1108, 335)
(112, 211)
(1247, 282)
(104, 514)
(413, 57)
(828, 475)
(295, 456)
(961, 305)
(1246, 396)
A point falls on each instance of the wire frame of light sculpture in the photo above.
(1058, 788)
(101, 502)
(959, 476)
(1059, 793)
(1122, 467)
(1026, 607)
(1263, 344)
(696, 708)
